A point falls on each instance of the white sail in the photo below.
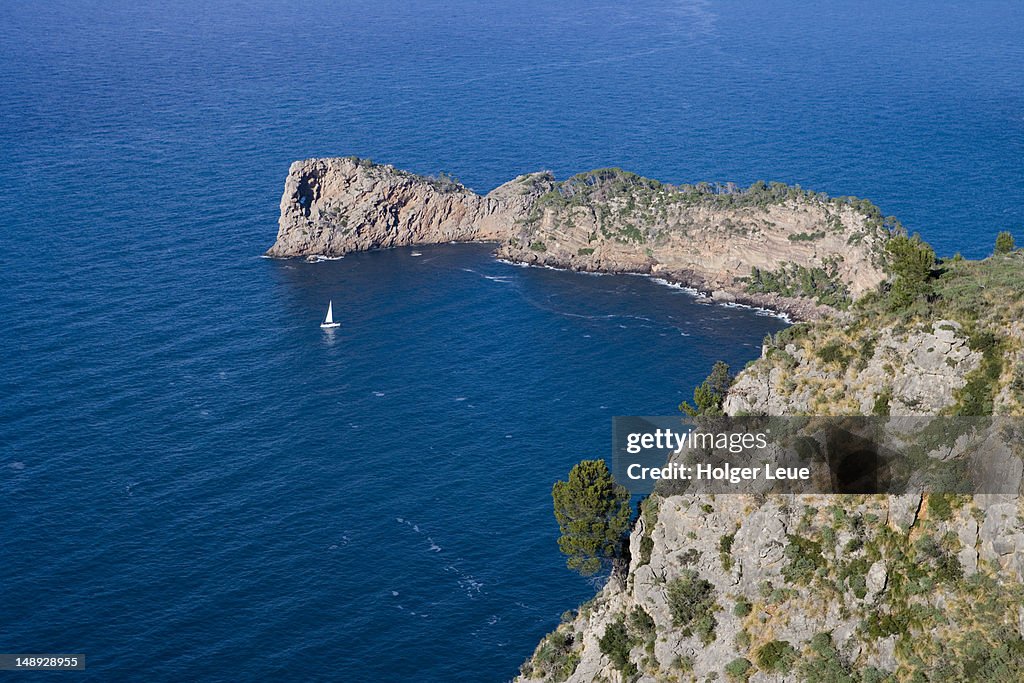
(330, 313)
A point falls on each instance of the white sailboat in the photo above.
(328, 322)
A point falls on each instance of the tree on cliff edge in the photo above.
(911, 261)
(710, 395)
(593, 515)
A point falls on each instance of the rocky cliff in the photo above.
(769, 245)
(840, 588)
(805, 588)
(331, 207)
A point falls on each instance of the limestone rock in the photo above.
(331, 207)
(334, 206)
(877, 578)
(903, 510)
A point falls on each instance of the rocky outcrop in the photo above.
(809, 588)
(771, 246)
(803, 588)
(858, 372)
(331, 207)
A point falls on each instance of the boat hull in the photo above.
(328, 326)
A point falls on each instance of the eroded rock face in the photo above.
(617, 222)
(842, 585)
(331, 207)
(704, 246)
(908, 372)
(793, 569)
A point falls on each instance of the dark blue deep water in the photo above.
(196, 483)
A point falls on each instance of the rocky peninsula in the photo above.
(760, 588)
(838, 588)
(769, 245)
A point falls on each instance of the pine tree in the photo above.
(709, 396)
(911, 261)
(593, 515)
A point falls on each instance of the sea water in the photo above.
(198, 483)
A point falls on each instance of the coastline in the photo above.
(795, 253)
(719, 297)
(790, 311)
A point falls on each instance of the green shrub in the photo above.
(824, 663)
(742, 607)
(777, 656)
(911, 261)
(646, 548)
(738, 670)
(807, 236)
(1004, 243)
(873, 675)
(743, 640)
(691, 600)
(833, 352)
(976, 397)
(538, 246)
(709, 396)
(554, 659)
(649, 513)
(804, 557)
(821, 284)
(725, 550)
(630, 233)
(642, 623)
(704, 627)
(791, 334)
(940, 506)
(881, 404)
(616, 644)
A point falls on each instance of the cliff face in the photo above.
(804, 588)
(797, 243)
(767, 245)
(331, 207)
(813, 588)
(858, 370)
(841, 588)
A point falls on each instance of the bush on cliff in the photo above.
(777, 656)
(616, 643)
(1004, 243)
(691, 600)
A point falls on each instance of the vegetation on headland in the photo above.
(597, 186)
(441, 181)
(827, 559)
(631, 209)
(823, 285)
(710, 394)
(979, 300)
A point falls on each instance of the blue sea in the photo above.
(197, 483)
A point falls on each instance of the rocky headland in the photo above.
(761, 588)
(769, 245)
(838, 588)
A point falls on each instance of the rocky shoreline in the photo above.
(772, 247)
(758, 588)
(791, 309)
